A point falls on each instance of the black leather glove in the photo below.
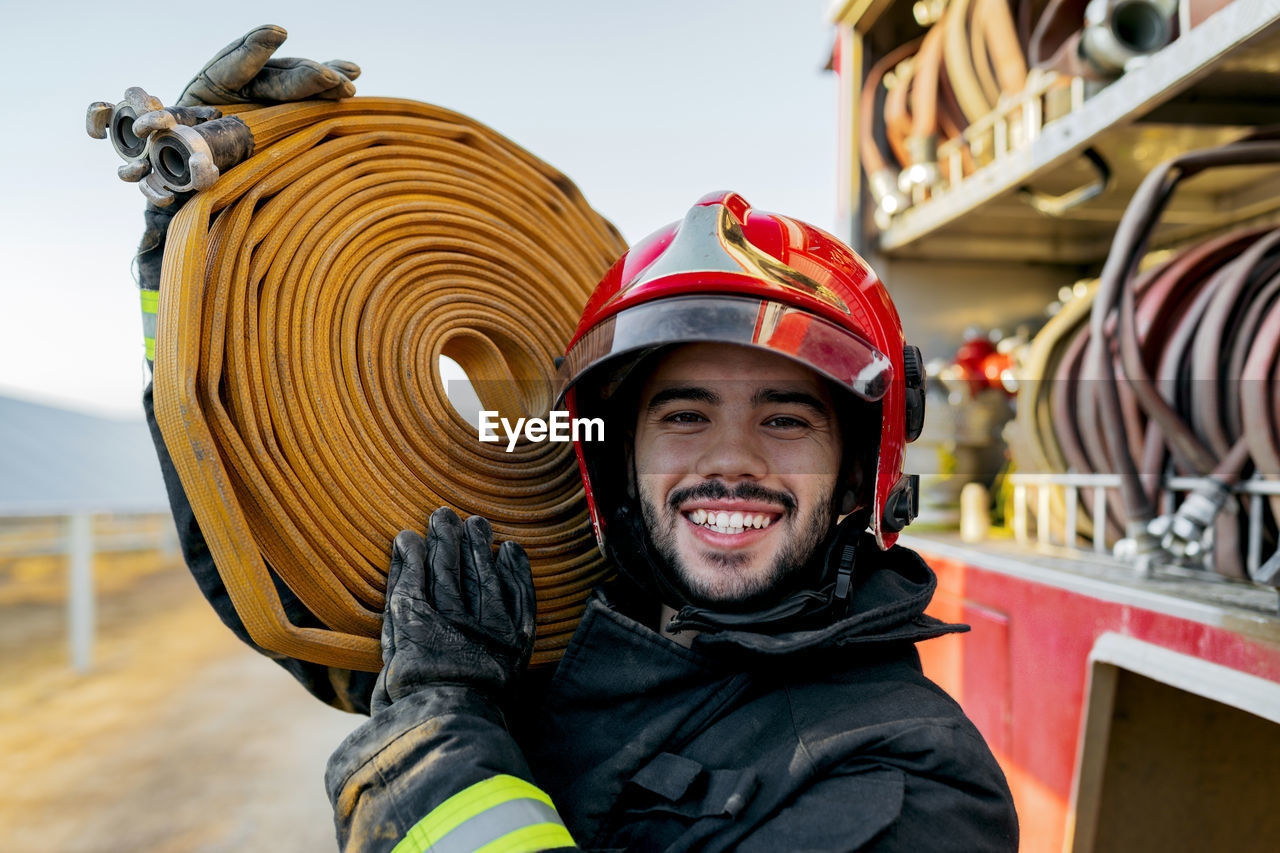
(455, 613)
(457, 631)
(244, 72)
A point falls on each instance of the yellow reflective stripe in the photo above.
(150, 344)
(531, 839)
(469, 803)
(150, 301)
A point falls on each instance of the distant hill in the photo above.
(57, 460)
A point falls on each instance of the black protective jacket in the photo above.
(830, 739)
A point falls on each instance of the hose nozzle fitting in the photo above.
(1117, 31)
(191, 158)
(131, 124)
(1185, 533)
(1140, 547)
(923, 171)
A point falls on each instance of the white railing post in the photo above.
(1099, 520)
(169, 543)
(1044, 526)
(1072, 497)
(1020, 513)
(80, 604)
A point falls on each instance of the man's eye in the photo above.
(786, 422)
(684, 418)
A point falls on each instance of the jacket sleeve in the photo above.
(438, 770)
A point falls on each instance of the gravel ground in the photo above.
(180, 739)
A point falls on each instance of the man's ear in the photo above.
(849, 502)
(852, 486)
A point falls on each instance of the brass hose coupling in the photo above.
(923, 170)
(890, 201)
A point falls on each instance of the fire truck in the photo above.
(1123, 664)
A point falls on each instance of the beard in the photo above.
(736, 586)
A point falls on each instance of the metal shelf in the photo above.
(1208, 87)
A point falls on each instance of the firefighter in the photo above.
(749, 681)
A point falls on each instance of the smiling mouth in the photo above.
(730, 522)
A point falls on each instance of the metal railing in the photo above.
(1042, 486)
(1015, 123)
(73, 535)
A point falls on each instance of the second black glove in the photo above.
(456, 613)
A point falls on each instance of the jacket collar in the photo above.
(889, 593)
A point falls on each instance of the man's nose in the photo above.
(733, 452)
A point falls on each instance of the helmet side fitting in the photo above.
(730, 274)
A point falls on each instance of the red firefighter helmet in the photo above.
(734, 275)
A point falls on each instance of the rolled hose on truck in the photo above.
(976, 61)
(1172, 370)
(306, 297)
(970, 59)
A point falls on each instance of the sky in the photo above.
(646, 106)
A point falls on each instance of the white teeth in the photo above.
(727, 522)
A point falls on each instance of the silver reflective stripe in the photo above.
(148, 325)
(493, 823)
(150, 303)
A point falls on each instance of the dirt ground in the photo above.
(180, 739)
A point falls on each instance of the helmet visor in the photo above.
(834, 352)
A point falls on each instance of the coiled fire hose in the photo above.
(306, 298)
(1174, 373)
(882, 177)
(968, 60)
(1038, 443)
(978, 36)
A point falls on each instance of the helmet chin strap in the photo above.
(631, 551)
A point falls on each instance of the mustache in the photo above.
(716, 490)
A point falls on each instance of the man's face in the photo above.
(737, 453)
